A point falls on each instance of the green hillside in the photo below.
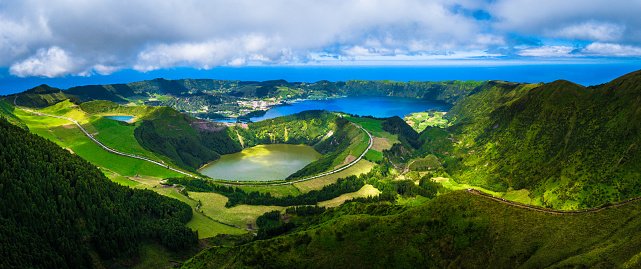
(192, 143)
(7, 111)
(41, 96)
(569, 146)
(456, 230)
(59, 211)
(206, 98)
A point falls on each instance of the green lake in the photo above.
(261, 163)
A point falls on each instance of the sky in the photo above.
(64, 39)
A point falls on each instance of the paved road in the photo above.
(100, 143)
(547, 210)
(371, 143)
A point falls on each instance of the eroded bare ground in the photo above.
(347, 160)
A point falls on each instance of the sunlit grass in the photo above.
(365, 191)
(213, 205)
(362, 166)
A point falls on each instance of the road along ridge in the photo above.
(100, 143)
(548, 210)
(371, 143)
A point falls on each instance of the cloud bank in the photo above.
(51, 38)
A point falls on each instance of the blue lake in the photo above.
(119, 118)
(376, 106)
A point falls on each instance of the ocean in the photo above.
(584, 74)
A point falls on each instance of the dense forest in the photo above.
(57, 209)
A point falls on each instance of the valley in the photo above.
(456, 179)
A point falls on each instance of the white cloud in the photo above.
(546, 51)
(612, 50)
(104, 69)
(46, 63)
(590, 31)
(590, 20)
(106, 36)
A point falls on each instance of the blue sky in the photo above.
(61, 38)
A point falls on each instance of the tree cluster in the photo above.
(238, 196)
(56, 206)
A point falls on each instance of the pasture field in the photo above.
(124, 181)
(520, 196)
(371, 125)
(213, 206)
(367, 190)
(421, 120)
(206, 227)
(120, 136)
(373, 155)
(68, 135)
(381, 144)
(362, 166)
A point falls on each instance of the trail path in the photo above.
(371, 143)
(100, 143)
(547, 210)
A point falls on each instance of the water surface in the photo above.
(377, 106)
(120, 118)
(261, 163)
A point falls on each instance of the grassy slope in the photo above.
(457, 230)
(213, 205)
(67, 135)
(570, 146)
(362, 166)
(421, 120)
(63, 133)
(206, 227)
(365, 191)
(7, 111)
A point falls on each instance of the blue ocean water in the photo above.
(584, 74)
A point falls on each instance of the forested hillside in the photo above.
(455, 230)
(191, 143)
(450, 92)
(59, 211)
(211, 99)
(569, 146)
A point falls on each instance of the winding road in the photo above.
(547, 210)
(371, 143)
(100, 143)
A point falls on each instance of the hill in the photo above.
(211, 99)
(59, 211)
(569, 146)
(456, 230)
(42, 96)
(191, 142)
